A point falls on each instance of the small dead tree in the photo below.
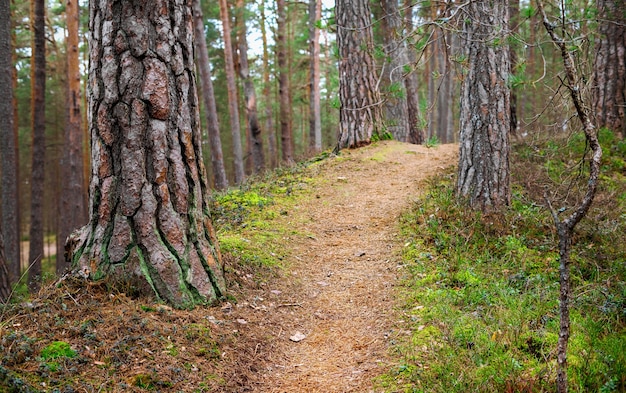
(565, 227)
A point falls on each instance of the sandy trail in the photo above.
(338, 290)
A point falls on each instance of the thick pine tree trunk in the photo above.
(208, 95)
(360, 113)
(395, 106)
(149, 228)
(609, 70)
(71, 200)
(286, 131)
(231, 86)
(8, 150)
(315, 111)
(256, 140)
(38, 112)
(484, 140)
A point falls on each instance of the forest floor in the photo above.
(324, 322)
(337, 295)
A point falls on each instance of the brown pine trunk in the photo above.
(231, 85)
(416, 135)
(149, 228)
(38, 111)
(360, 113)
(256, 139)
(71, 200)
(609, 70)
(286, 132)
(8, 148)
(315, 114)
(484, 140)
(513, 22)
(208, 96)
(267, 93)
(5, 282)
(395, 106)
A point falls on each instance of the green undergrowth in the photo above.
(248, 221)
(480, 292)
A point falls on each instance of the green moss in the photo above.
(57, 349)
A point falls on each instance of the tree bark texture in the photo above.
(256, 137)
(5, 281)
(609, 71)
(395, 106)
(8, 148)
(149, 228)
(38, 112)
(286, 130)
(360, 113)
(484, 178)
(416, 134)
(208, 95)
(315, 111)
(71, 199)
(231, 86)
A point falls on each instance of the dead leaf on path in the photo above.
(297, 337)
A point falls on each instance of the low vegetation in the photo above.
(78, 336)
(480, 292)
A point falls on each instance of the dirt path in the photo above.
(338, 290)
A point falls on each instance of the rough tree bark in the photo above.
(258, 156)
(484, 175)
(267, 93)
(8, 147)
(609, 70)
(208, 95)
(5, 282)
(71, 199)
(565, 228)
(315, 111)
(231, 86)
(38, 112)
(149, 228)
(513, 28)
(286, 132)
(360, 113)
(395, 106)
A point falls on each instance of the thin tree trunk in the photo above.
(609, 70)
(513, 22)
(71, 199)
(286, 132)
(416, 134)
(258, 156)
(208, 95)
(395, 96)
(149, 228)
(484, 175)
(315, 116)
(267, 93)
(360, 113)
(566, 227)
(8, 148)
(35, 253)
(233, 104)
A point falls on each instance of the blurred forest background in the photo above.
(539, 102)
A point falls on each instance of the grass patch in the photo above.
(480, 294)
